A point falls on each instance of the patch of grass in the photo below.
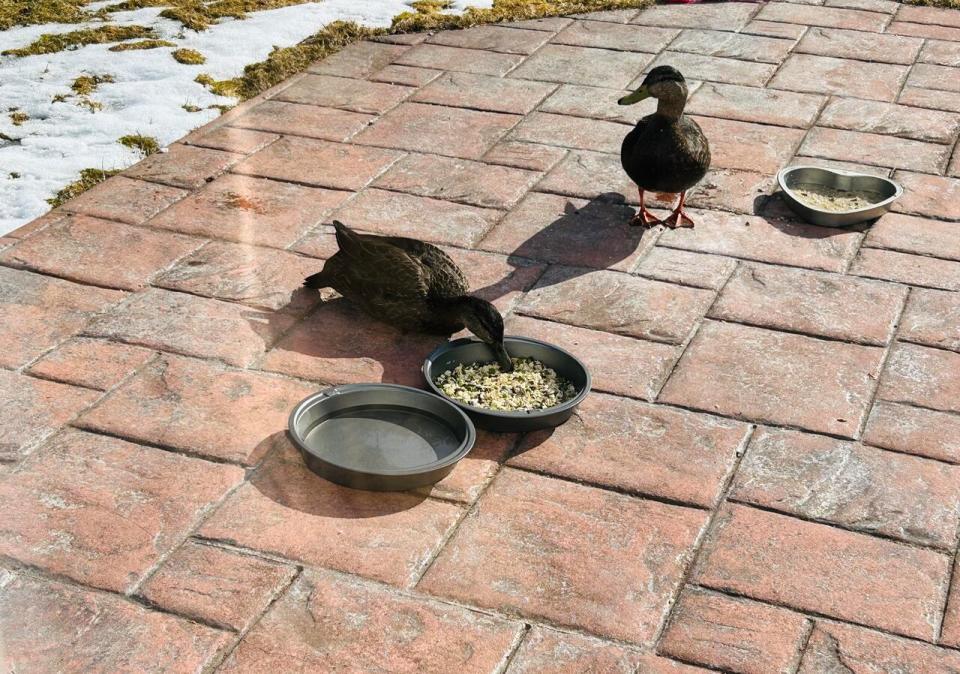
(191, 108)
(35, 12)
(88, 178)
(190, 57)
(50, 44)
(946, 4)
(87, 84)
(145, 145)
(142, 44)
(201, 14)
(222, 108)
(219, 87)
(59, 98)
(90, 104)
(18, 117)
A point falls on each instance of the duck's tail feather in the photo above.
(316, 281)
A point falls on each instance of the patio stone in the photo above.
(312, 121)
(37, 312)
(460, 60)
(467, 480)
(814, 303)
(730, 16)
(92, 363)
(750, 104)
(632, 306)
(358, 60)
(842, 77)
(950, 635)
(857, 487)
(229, 139)
(338, 92)
(922, 376)
(259, 277)
(732, 45)
(941, 52)
(492, 38)
(931, 15)
(902, 268)
(251, 210)
(484, 92)
(855, 44)
(891, 120)
(595, 102)
(405, 75)
(729, 190)
(619, 37)
(733, 634)
(789, 562)
(685, 268)
(192, 326)
(774, 29)
(319, 163)
(643, 449)
(104, 253)
(35, 409)
(574, 132)
(125, 200)
(618, 364)
(928, 195)
(184, 166)
(929, 31)
(876, 149)
(458, 180)
(590, 175)
(81, 486)
(371, 627)
(914, 430)
(454, 132)
(396, 214)
(77, 623)
(201, 408)
(533, 527)
(714, 69)
(771, 146)
(571, 231)
(935, 77)
(285, 509)
(216, 585)
(524, 155)
(829, 17)
(930, 98)
(582, 65)
(932, 317)
(831, 643)
(909, 234)
(755, 238)
(546, 651)
(774, 377)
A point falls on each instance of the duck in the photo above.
(666, 152)
(411, 285)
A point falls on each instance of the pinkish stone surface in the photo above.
(93, 363)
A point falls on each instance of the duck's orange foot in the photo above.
(644, 218)
(677, 220)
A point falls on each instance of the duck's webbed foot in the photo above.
(643, 217)
(678, 218)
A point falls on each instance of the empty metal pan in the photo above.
(793, 177)
(380, 437)
(466, 351)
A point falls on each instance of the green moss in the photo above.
(49, 44)
(88, 178)
(227, 88)
(87, 84)
(90, 104)
(145, 145)
(222, 108)
(142, 44)
(18, 117)
(59, 98)
(191, 108)
(200, 14)
(36, 12)
(189, 57)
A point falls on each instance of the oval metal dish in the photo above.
(466, 351)
(840, 180)
(380, 437)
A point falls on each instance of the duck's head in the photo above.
(663, 83)
(482, 319)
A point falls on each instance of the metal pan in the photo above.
(380, 437)
(794, 176)
(466, 351)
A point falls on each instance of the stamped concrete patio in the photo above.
(765, 480)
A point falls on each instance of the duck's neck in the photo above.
(671, 107)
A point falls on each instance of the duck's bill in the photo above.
(635, 97)
(506, 364)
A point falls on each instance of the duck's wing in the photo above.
(376, 267)
(442, 275)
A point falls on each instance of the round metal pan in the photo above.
(840, 180)
(466, 351)
(380, 437)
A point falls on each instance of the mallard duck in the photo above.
(411, 285)
(666, 151)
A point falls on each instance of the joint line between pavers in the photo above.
(802, 645)
(511, 653)
(705, 531)
(951, 577)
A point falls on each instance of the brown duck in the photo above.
(409, 284)
(667, 151)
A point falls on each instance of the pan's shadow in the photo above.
(285, 479)
(593, 237)
(775, 211)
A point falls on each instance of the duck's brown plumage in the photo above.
(665, 155)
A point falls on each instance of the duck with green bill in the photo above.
(667, 151)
